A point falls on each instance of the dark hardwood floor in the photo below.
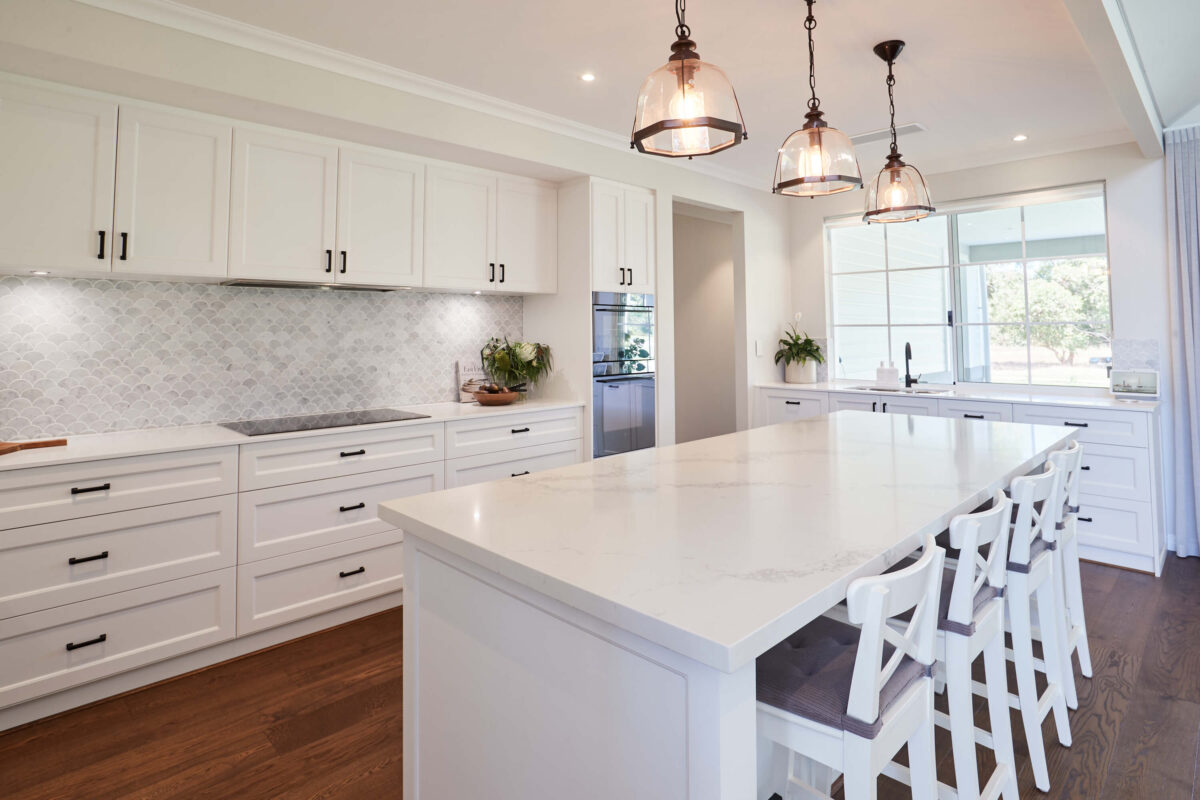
(320, 717)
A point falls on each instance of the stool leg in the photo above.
(996, 678)
(859, 782)
(1052, 649)
(962, 715)
(1065, 670)
(1022, 640)
(922, 763)
(1075, 601)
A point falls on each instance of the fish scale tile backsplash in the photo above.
(88, 356)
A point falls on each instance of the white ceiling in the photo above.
(974, 74)
(1166, 33)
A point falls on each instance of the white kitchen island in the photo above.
(591, 631)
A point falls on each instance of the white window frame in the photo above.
(990, 203)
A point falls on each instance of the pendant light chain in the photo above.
(810, 22)
(681, 29)
(891, 81)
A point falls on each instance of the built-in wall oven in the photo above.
(622, 372)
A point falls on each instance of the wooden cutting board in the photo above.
(12, 447)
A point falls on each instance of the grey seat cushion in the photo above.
(809, 674)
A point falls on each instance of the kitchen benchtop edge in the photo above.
(959, 392)
(151, 441)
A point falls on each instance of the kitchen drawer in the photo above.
(511, 463)
(853, 401)
(1111, 523)
(299, 585)
(140, 547)
(1095, 425)
(908, 404)
(332, 455)
(468, 437)
(1114, 471)
(782, 405)
(975, 409)
(47, 494)
(286, 519)
(139, 627)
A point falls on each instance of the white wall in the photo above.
(705, 397)
(86, 46)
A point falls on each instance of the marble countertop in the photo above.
(720, 548)
(90, 447)
(962, 391)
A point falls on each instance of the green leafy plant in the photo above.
(633, 351)
(517, 365)
(795, 348)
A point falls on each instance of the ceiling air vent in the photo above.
(885, 134)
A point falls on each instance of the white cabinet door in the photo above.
(526, 236)
(380, 216)
(785, 406)
(172, 201)
(460, 240)
(57, 158)
(974, 409)
(905, 404)
(608, 220)
(638, 239)
(283, 207)
(853, 402)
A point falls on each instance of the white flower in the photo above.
(525, 351)
(799, 314)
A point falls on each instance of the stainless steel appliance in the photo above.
(309, 422)
(623, 351)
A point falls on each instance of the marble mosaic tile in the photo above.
(1135, 353)
(88, 356)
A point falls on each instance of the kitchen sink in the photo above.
(899, 390)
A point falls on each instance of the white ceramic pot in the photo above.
(795, 372)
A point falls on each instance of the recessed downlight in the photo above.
(587, 77)
(476, 292)
(39, 272)
(1020, 137)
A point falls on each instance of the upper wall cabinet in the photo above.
(489, 233)
(172, 200)
(380, 210)
(283, 205)
(623, 238)
(57, 156)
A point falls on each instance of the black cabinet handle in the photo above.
(973, 416)
(492, 274)
(353, 453)
(1085, 468)
(874, 405)
(101, 638)
(622, 276)
(343, 262)
(1084, 519)
(100, 255)
(124, 247)
(1076, 424)
(86, 559)
(329, 261)
(630, 276)
(519, 474)
(358, 571)
(520, 430)
(502, 273)
(885, 408)
(344, 509)
(791, 402)
(104, 487)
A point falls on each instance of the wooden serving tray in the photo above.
(12, 447)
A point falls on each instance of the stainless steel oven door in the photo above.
(622, 336)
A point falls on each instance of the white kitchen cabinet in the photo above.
(623, 238)
(380, 219)
(853, 402)
(172, 194)
(907, 404)
(526, 236)
(784, 405)
(974, 409)
(57, 152)
(283, 207)
(489, 233)
(507, 464)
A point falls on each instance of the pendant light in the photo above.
(687, 106)
(816, 160)
(899, 192)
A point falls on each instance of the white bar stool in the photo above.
(1031, 582)
(1070, 461)
(823, 694)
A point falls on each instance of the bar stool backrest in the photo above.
(1069, 460)
(970, 534)
(1034, 519)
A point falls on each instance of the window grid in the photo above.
(955, 264)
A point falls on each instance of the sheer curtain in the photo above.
(1183, 224)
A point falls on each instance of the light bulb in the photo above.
(813, 159)
(687, 104)
(896, 195)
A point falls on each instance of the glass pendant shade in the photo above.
(687, 108)
(898, 194)
(815, 161)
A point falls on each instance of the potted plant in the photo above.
(514, 366)
(800, 355)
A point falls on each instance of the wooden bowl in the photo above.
(496, 399)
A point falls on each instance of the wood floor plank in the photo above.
(1156, 753)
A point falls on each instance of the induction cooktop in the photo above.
(310, 422)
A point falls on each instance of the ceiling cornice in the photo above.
(197, 22)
